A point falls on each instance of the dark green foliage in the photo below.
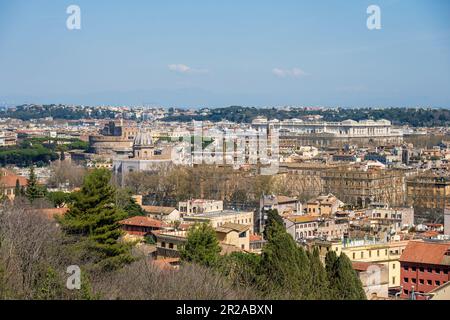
(38, 151)
(320, 286)
(273, 219)
(399, 116)
(241, 268)
(284, 266)
(17, 188)
(62, 157)
(93, 216)
(34, 190)
(344, 281)
(50, 286)
(125, 201)
(60, 199)
(286, 271)
(202, 246)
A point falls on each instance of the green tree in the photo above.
(17, 189)
(59, 198)
(273, 219)
(34, 190)
(93, 217)
(62, 156)
(284, 266)
(202, 246)
(127, 203)
(240, 268)
(320, 287)
(344, 281)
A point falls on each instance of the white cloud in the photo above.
(182, 68)
(293, 73)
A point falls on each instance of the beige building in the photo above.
(387, 254)
(195, 206)
(374, 278)
(360, 187)
(234, 234)
(325, 205)
(428, 194)
(219, 218)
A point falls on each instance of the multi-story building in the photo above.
(296, 132)
(360, 187)
(386, 253)
(395, 218)
(429, 195)
(219, 218)
(284, 205)
(310, 227)
(8, 138)
(425, 265)
(324, 205)
(195, 206)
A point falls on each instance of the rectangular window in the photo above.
(421, 281)
(438, 283)
(429, 282)
(422, 269)
(163, 244)
(406, 280)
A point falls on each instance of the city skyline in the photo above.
(216, 55)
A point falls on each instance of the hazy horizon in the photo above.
(203, 54)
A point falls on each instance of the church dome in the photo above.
(143, 139)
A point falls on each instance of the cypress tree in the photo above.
(320, 286)
(344, 281)
(17, 188)
(273, 218)
(284, 266)
(62, 156)
(93, 217)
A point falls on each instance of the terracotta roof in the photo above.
(228, 227)
(142, 222)
(302, 219)
(8, 179)
(255, 237)
(158, 210)
(426, 252)
(363, 266)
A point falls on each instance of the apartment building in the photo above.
(385, 253)
(425, 266)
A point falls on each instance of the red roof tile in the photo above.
(425, 252)
(142, 222)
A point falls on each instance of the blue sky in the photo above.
(196, 53)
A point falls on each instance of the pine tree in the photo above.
(344, 281)
(34, 190)
(202, 246)
(93, 217)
